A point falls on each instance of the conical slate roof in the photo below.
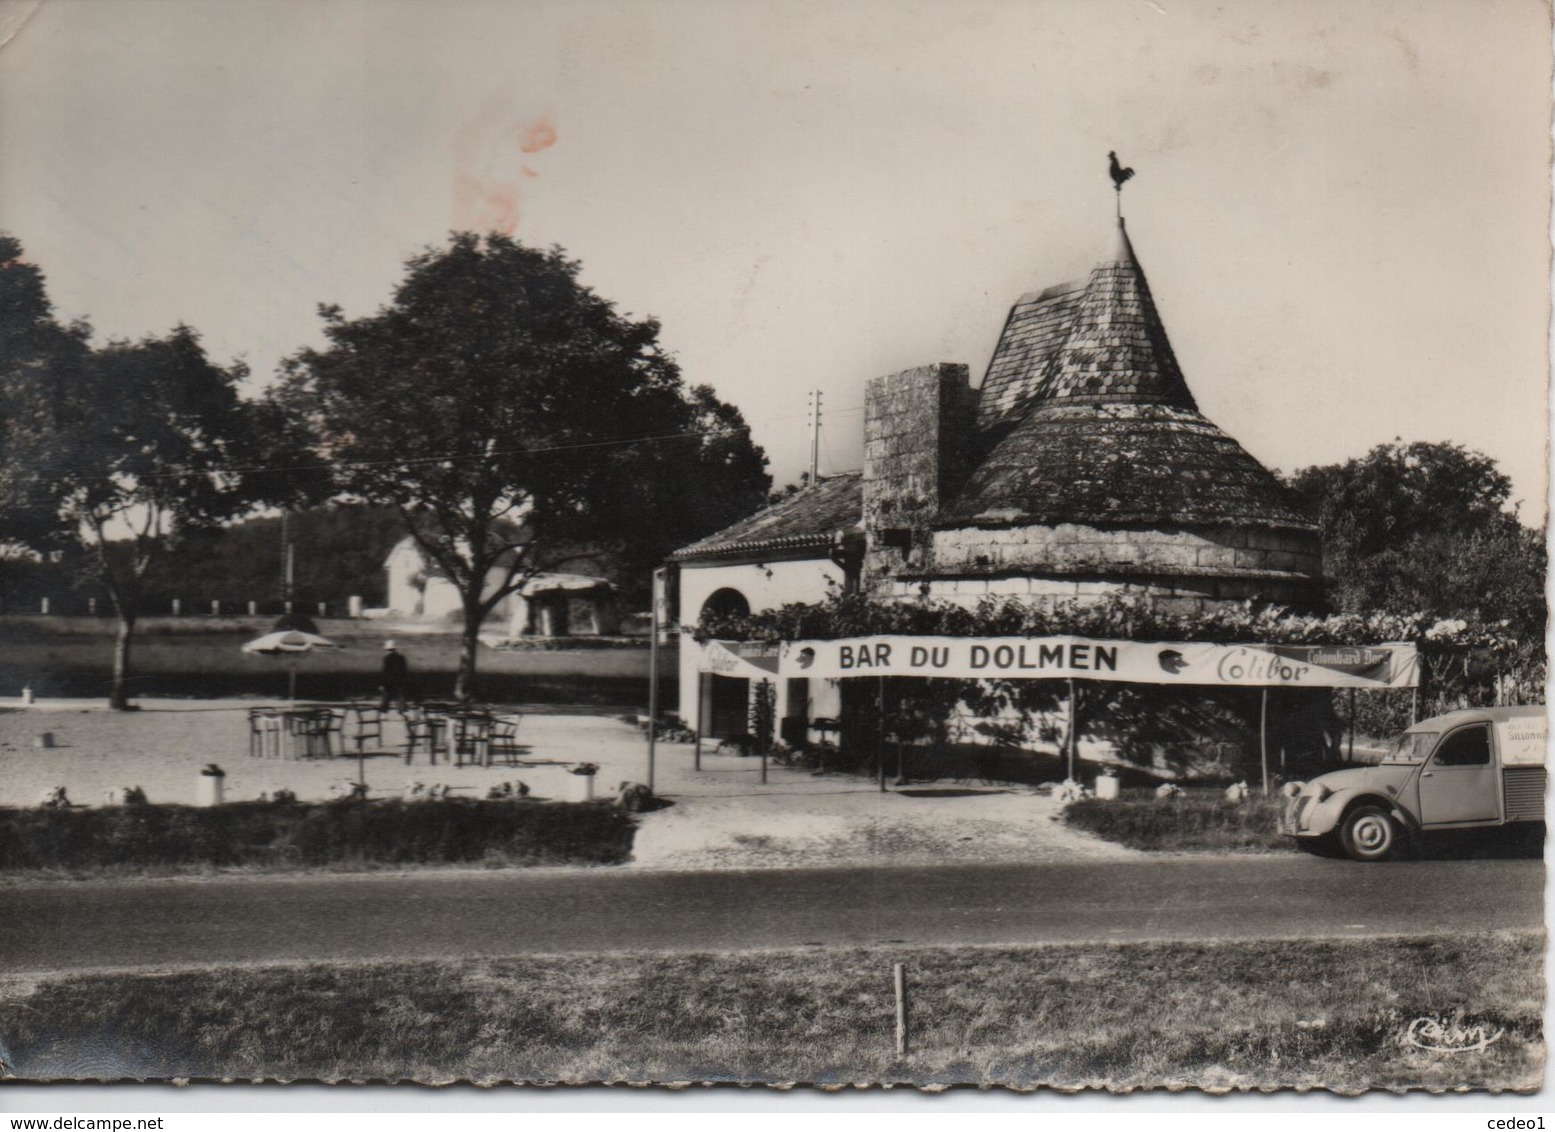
(1111, 433)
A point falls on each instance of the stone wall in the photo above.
(1133, 549)
(1073, 561)
(918, 431)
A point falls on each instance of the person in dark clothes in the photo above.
(396, 677)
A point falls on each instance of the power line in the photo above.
(450, 458)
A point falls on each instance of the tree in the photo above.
(517, 423)
(121, 451)
(32, 346)
(1424, 527)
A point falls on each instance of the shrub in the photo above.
(391, 832)
(1192, 820)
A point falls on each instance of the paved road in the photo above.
(87, 925)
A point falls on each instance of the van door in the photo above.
(1458, 782)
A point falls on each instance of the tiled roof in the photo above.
(1110, 432)
(1037, 326)
(1116, 349)
(1121, 463)
(810, 518)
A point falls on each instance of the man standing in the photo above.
(396, 677)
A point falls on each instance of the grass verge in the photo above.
(318, 835)
(1194, 820)
(1323, 1014)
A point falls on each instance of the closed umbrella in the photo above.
(291, 643)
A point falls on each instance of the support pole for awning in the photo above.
(1352, 726)
(765, 695)
(1263, 738)
(880, 737)
(1074, 728)
(653, 676)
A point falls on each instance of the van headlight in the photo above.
(1321, 792)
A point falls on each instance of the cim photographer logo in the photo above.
(1451, 1035)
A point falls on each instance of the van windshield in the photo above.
(1411, 747)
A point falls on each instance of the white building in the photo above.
(542, 607)
(1079, 467)
(797, 550)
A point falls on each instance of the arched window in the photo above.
(726, 603)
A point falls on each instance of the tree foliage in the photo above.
(118, 450)
(1424, 528)
(518, 423)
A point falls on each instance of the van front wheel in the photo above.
(1369, 833)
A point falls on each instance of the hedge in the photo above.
(302, 835)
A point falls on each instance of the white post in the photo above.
(899, 977)
(215, 608)
(44, 606)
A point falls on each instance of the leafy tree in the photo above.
(1423, 527)
(518, 423)
(121, 451)
(32, 345)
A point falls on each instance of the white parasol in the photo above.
(289, 642)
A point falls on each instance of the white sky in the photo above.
(1341, 207)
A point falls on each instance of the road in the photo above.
(78, 926)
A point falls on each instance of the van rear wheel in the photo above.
(1369, 833)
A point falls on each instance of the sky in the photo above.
(1341, 206)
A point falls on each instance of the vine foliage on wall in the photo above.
(1465, 663)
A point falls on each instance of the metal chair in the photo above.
(427, 730)
(503, 743)
(366, 726)
(311, 731)
(471, 738)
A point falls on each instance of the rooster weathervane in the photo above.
(1120, 174)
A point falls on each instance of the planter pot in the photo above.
(580, 788)
(1107, 786)
(212, 789)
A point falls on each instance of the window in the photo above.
(1468, 747)
(726, 603)
(1411, 747)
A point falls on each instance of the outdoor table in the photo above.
(309, 728)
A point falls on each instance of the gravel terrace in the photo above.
(720, 818)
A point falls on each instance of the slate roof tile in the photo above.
(808, 518)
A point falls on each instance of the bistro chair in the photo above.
(366, 726)
(425, 729)
(310, 732)
(472, 738)
(503, 743)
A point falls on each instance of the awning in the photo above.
(1392, 665)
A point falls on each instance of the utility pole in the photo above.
(287, 570)
(815, 435)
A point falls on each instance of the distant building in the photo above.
(543, 607)
(1081, 466)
